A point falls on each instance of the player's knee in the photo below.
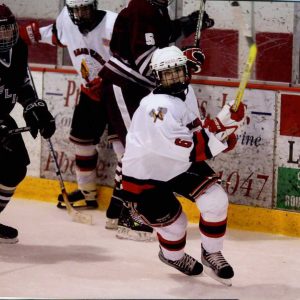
(213, 204)
(175, 229)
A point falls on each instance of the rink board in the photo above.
(262, 169)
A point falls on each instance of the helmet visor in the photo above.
(9, 34)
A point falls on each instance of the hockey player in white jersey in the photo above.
(165, 153)
(86, 32)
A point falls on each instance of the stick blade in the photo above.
(76, 216)
(81, 218)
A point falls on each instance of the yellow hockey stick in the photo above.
(245, 77)
(247, 32)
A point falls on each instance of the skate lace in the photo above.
(216, 259)
(187, 262)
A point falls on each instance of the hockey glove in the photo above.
(231, 142)
(38, 117)
(189, 23)
(195, 59)
(92, 89)
(30, 33)
(227, 121)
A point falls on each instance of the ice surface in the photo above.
(57, 258)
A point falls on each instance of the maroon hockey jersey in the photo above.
(140, 28)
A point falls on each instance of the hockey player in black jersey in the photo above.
(15, 87)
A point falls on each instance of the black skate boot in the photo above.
(8, 235)
(216, 266)
(77, 200)
(187, 264)
(131, 229)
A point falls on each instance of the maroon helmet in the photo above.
(161, 3)
(9, 31)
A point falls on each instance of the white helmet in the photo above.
(170, 59)
(77, 3)
(82, 13)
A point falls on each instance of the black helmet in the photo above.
(161, 3)
(9, 31)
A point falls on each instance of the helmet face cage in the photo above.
(170, 70)
(172, 75)
(9, 30)
(82, 12)
(161, 3)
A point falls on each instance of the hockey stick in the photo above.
(75, 214)
(199, 23)
(19, 130)
(250, 60)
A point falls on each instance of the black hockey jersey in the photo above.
(15, 84)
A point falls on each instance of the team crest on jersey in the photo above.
(84, 69)
(161, 111)
(149, 38)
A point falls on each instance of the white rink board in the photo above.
(61, 92)
(249, 167)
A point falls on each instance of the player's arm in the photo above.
(32, 34)
(35, 113)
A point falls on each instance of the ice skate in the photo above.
(187, 264)
(131, 229)
(8, 235)
(77, 200)
(216, 266)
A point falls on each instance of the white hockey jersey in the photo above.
(159, 143)
(88, 52)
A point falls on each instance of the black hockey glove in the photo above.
(38, 117)
(189, 23)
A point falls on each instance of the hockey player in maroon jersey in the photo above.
(15, 87)
(140, 28)
(165, 153)
(86, 32)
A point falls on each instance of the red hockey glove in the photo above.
(231, 142)
(30, 33)
(195, 59)
(227, 121)
(93, 88)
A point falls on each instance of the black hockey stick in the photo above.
(19, 130)
(199, 23)
(75, 214)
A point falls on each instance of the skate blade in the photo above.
(8, 241)
(79, 207)
(81, 218)
(129, 234)
(208, 271)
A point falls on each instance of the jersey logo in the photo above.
(84, 69)
(149, 38)
(159, 114)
